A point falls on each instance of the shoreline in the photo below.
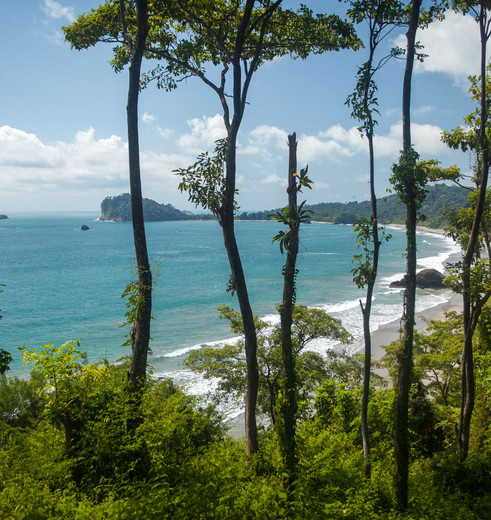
(389, 332)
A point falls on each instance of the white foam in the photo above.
(181, 351)
(340, 307)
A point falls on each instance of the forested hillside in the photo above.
(440, 197)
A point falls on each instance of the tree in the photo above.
(228, 365)
(381, 17)
(293, 216)
(129, 20)
(141, 329)
(436, 355)
(476, 139)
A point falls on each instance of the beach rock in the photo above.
(425, 279)
(84, 227)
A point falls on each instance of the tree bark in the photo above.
(366, 312)
(289, 405)
(141, 327)
(471, 310)
(406, 354)
(228, 228)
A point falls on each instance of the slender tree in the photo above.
(127, 23)
(476, 139)
(472, 312)
(292, 215)
(258, 34)
(381, 16)
(141, 328)
(411, 195)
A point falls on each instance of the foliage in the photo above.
(21, 404)
(204, 181)
(467, 138)
(135, 300)
(293, 217)
(228, 365)
(5, 360)
(363, 273)
(422, 172)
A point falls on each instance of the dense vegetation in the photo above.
(67, 452)
(118, 208)
(440, 197)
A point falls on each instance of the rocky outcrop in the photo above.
(425, 279)
(3, 217)
(84, 227)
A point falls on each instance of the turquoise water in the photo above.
(62, 283)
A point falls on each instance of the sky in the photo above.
(63, 140)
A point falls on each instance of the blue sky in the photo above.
(63, 118)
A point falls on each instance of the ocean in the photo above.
(62, 283)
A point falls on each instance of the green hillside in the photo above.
(390, 208)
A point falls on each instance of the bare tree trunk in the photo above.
(141, 328)
(406, 354)
(228, 228)
(366, 312)
(238, 277)
(289, 406)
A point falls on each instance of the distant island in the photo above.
(118, 209)
(440, 197)
(3, 217)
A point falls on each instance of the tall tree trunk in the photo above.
(141, 328)
(289, 406)
(406, 354)
(238, 277)
(366, 311)
(471, 311)
(228, 228)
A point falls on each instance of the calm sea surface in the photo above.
(62, 283)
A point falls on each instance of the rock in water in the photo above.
(430, 279)
(3, 217)
(84, 227)
(425, 279)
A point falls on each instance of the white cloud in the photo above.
(273, 178)
(56, 11)
(204, 133)
(147, 118)
(165, 133)
(29, 165)
(265, 141)
(452, 46)
(425, 109)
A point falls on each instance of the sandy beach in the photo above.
(390, 331)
